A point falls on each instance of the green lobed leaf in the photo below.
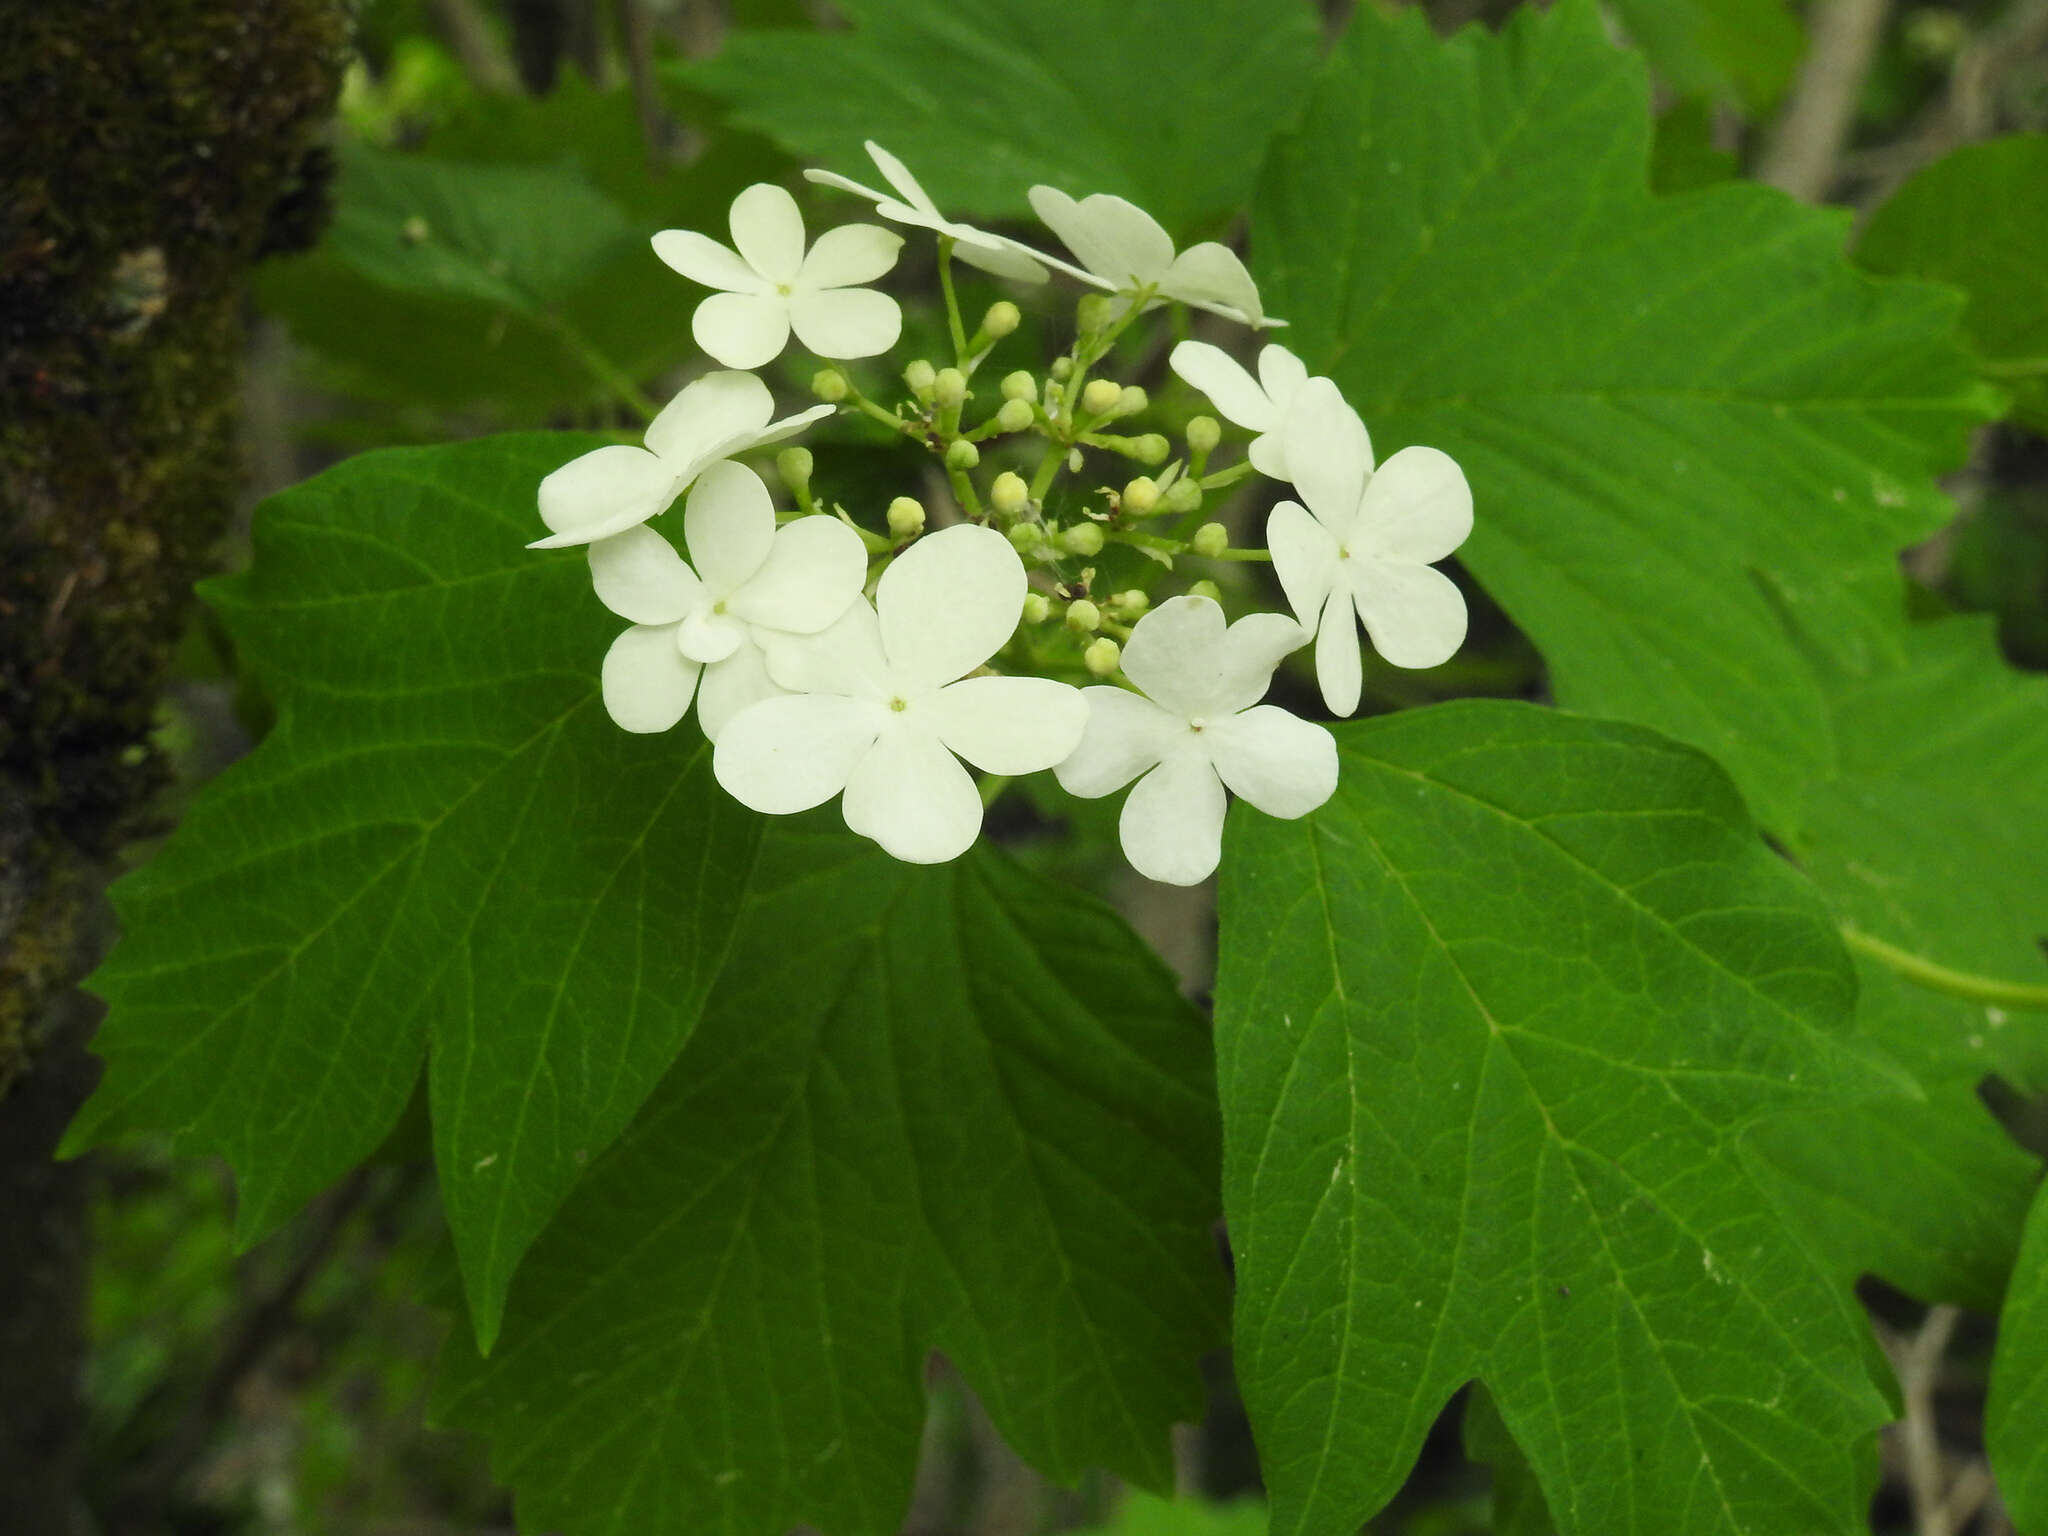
(1491, 1026)
(984, 101)
(1144, 1514)
(1656, 400)
(1978, 218)
(951, 1107)
(2018, 1405)
(1518, 1507)
(1746, 50)
(444, 840)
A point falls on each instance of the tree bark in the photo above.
(150, 151)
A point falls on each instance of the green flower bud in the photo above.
(1083, 539)
(1129, 605)
(1074, 461)
(1016, 415)
(1002, 318)
(949, 387)
(1062, 367)
(1026, 537)
(1152, 448)
(1101, 395)
(962, 455)
(1010, 495)
(1207, 589)
(1102, 656)
(906, 517)
(1210, 540)
(1084, 616)
(1204, 434)
(829, 384)
(1020, 386)
(919, 376)
(1141, 496)
(794, 465)
(1132, 400)
(1037, 608)
(1094, 312)
(1183, 496)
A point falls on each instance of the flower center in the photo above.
(783, 289)
(1196, 722)
(899, 704)
(719, 606)
(1343, 552)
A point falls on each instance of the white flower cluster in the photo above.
(829, 659)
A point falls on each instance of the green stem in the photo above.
(1239, 554)
(1049, 466)
(1923, 972)
(1224, 477)
(963, 492)
(2013, 367)
(959, 331)
(886, 417)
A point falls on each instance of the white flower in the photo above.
(609, 490)
(772, 286)
(1124, 249)
(976, 247)
(1259, 405)
(881, 703)
(1197, 733)
(1364, 544)
(752, 580)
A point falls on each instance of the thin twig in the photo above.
(1917, 1358)
(1807, 142)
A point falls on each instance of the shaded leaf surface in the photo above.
(444, 838)
(2018, 1407)
(1490, 1027)
(948, 1107)
(983, 101)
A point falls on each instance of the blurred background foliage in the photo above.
(497, 167)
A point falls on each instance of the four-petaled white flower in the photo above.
(1123, 249)
(881, 702)
(609, 490)
(1201, 729)
(772, 286)
(976, 247)
(1365, 543)
(1259, 405)
(752, 580)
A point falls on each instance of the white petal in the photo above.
(1329, 452)
(852, 253)
(604, 492)
(1284, 765)
(1006, 724)
(846, 184)
(742, 330)
(815, 569)
(729, 686)
(1281, 373)
(844, 658)
(728, 524)
(1234, 392)
(1172, 824)
(1304, 558)
(1127, 733)
(761, 437)
(897, 174)
(1183, 656)
(707, 636)
(639, 576)
(769, 232)
(1118, 241)
(1268, 453)
(948, 603)
(996, 256)
(703, 260)
(646, 682)
(789, 754)
(1417, 508)
(1210, 276)
(845, 322)
(912, 796)
(1414, 613)
(1339, 669)
(706, 413)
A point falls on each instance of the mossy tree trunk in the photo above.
(150, 151)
